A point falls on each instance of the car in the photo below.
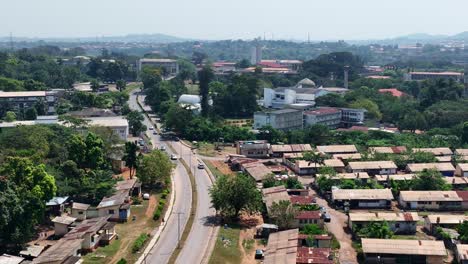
(259, 254)
(151, 128)
(201, 166)
(155, 133)
(176, 139)
(162, 148)
(173, 157)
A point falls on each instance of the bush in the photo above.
(139, 242)
(122, 261)
(157, 214)
(160, 207)
(162, 201)
(136, 200)
(164, 194)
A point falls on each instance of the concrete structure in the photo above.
(443, 220)
(352, 116)
(302, 167)
(79, 211)
(9, 259)
(400, 223)
(394, 177)
(420, 76)
(430, 200)
(293, 65)
(56, 205)
(280, 97)
(256, 54)
(170, 66)
(362, 198)
(445, 168)
(462, 169)
(61, 252)
(62, 224)
(388, 150)
(462, 154)
(461, 253)
(403, 251)
(327, 116)
(308, 217)
(435, 151)
(117, 124)
(337, 149)
(373, 167)
(280, 150)
(284, 119)
(253, 148)
(458, 183)
(92, 233)
(117, 206)
(19, 102)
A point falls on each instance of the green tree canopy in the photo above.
(154, 168)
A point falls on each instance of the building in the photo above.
(458, 183)
(256, 54)
(400, 223)
(445, 168)
(462, 169)
(352, 116)
(257, 170)
(117, 124)
(349, 156)
(403, 251)
(64, 251)
(388, 150)
(362, 198)
(117, 206)
(293, 65)
(79, 211)
(462, 154)
(92, 233)
(62, 224)
(432, 221)
(394, 177)
(280, 150)
(420, 76)
(31, 252)
(273, 195)
(327, 116)
(303, 167)
(461, 252)
(337, 149)
(253, 148)
(435, 151)
(373, 167)
(430, 200)
(224, 67)
(9, 259)
(171, 67)
(284, 119)
(308, 217)
(19, 102)
(56, 205)
(280, 97)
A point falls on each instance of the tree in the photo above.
(154, 168)
(130, 157)
(242, 64)
(372, 108)
(30, 114)
(375, 230)
(312, 229)
(283, 213)
(429, 180)
(87, 152)
(95, 85)
(324, 183)
(205, 76)
(10, 116)
(465, 133)
(135, 122)
(412, 121)
(463, 231)
(314, 157)
(231, 195)
(178, 118)
(121, 85)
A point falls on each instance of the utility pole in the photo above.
(178, 228)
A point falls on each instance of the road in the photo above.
(196, 248)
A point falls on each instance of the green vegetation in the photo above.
(463, 231)
(226, 249)
(312, 229)
(139, 242)
(282, 214)
(374, 230)
(154, 168)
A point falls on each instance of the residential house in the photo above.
(347, 156)
(327, 116)
(337, 149)
(303, 167)
(92, 232)
(359, 176)
(283, 119)
(462, 169)
(430, 200)
(386, 179)
(9, 259)
(388, 150)
(253, 148)
(116, 206)
(435, 151)
(362, 198)
(257, 170)
(117, 124)
(462, 154)
(443, 220)
(65, 251)
(445, 168)
(31, 252)
(373, 167)
(79, 211)
(280, 150)
(56, 205)
(171, 67)
(62, 224)
(309, 255)
(274, 195)
(403, 251)
(461, 252)
(400, 223)
(308, 217)
(458, 183)
(131, 186)
(464, 196)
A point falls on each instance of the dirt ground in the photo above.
(222, 167)
(151, 206)
(249, 223)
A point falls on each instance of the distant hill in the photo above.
(144, 38)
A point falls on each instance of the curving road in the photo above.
(199, 244)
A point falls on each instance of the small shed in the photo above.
(79, 211)
(62, 224)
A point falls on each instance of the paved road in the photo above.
(196, 248)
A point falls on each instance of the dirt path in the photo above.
(222, 167)
(151, 206)
(337, 226)
(248, 257)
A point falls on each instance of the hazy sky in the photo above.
(231, 19)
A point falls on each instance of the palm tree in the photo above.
(314, 157)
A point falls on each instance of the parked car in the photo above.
(173, 157)
(326, 218)
(151, 128)
(259, 254)
(176, 139)
(154, 132)
(146, 196)
(201, 166)
(162, 148)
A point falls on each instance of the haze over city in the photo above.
(245, 19)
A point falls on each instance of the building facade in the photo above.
(327, 116)
(19, 102)
(284, 119)
(170, 66)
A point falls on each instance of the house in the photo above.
(420, 76)
(171, 67)
(117, 124)
(462, 154)
(462, 169)
(92, 112)
(283, 119)
(308, 217)
(400, 223)
(388, 150)
(373, 167)
(257, 170)
(131, 186)
(92, 232)
(21, 101)
(62, 224)
(327, 116)
(301, 199)
(79, 211)
(458, 183)
(362, 198)
(308, 255)
(56, 205)
(403, 251)
(274, 195)
(316, 241)
(337, 149)
(443, 220)
(386, 179)
(461, 252)
(430, 200)
(303, 167)
(280, 97)
(280, 150)
(253, 148)
(64, 251)
(360, 176)
(349, 156)
(435, 151)
(464, 196)
(445, 168)
(9, 259)
(116, 206)
(32, 251)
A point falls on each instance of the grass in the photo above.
(206, 149)
(103, 254)
(217, 173)
(226, 249)
(248, 244)
(131, 86)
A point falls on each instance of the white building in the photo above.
(279, 97)
(284, 119)
(352, 116)
(20, 101)
(327, 116)
(171, 66)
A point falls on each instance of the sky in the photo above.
(233, 19)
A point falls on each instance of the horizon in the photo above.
(208, 19)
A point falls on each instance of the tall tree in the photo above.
(283, 213)
(135, 122)
(130, 157)
(313, 157)
(430, 180)
(205, 76)
(154, 168)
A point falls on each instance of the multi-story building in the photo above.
(20, 101)
(284, 119)
(280, 97)
(327, 116)
(420, 76)
(171, 66)
(253, 148)
(352, 116)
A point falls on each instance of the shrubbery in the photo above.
(139, 242)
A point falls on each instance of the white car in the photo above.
(173, 157)
(151, 128)
(201, 166)
(162, 148)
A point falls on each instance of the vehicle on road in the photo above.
(151, 128)
(173, 157)
(146, 196)
(176, 139)
(259, 254)
(201, 166)
(162, 148)
(155, 133)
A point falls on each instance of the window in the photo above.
(397, 225)
(92, 239)
(111, 211)
(80, 213)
